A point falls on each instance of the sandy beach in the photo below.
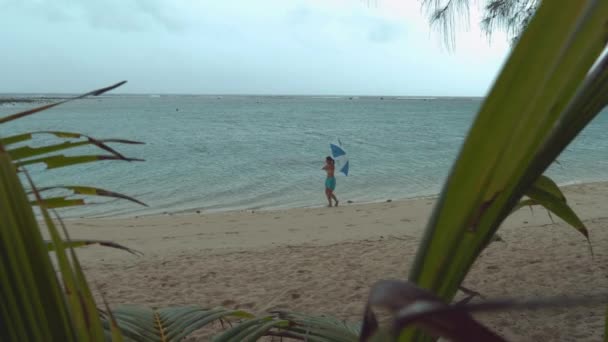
(324, 260)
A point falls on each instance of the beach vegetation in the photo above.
(553, 84)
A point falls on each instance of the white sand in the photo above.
(325, 260)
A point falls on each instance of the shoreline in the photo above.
(412, 213)
(564, 186)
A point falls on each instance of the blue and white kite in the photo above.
(339, 155)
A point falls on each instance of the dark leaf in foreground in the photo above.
(412, 305)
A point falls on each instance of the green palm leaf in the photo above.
(59, 134)
(529, 116)
(24, 152)
(63, 201)
(50, 245)
(35, 305)
(293, 325)
(558, 206)
(509, 130)
(251, 329)
(57, 161)
(546, 193)
(140, 323)
(85, 318)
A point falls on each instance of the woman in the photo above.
(330, 181)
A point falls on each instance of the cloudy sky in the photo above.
(359, 47)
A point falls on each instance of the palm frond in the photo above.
(64, 201)
(140, 323)
(83, 243)
(25, 113)
(37, 305)
(546, 193)
(298, 326)
(24, 152)
(517, 134)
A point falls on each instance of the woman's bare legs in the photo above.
(330, 194)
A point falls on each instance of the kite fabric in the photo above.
(339, 155)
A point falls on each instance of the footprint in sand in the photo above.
(405, 220)
(351, 225)
(323, 227)
(277, 217)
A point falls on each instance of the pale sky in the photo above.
(355, 47)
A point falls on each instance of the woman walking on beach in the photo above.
(330, 181)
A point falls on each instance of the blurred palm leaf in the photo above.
(413, 306)
(57, 161)
(33, 307)
(64, 201)
(542, 99)
(295, 326)
(36, 306)
(24, 152)
(50, 245)
(22, 114)
(142, 324)
(251, 330)
(510, 129)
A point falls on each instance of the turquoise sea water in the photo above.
(254, 152)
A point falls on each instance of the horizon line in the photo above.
(241, 94)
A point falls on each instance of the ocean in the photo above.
(217, 153)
